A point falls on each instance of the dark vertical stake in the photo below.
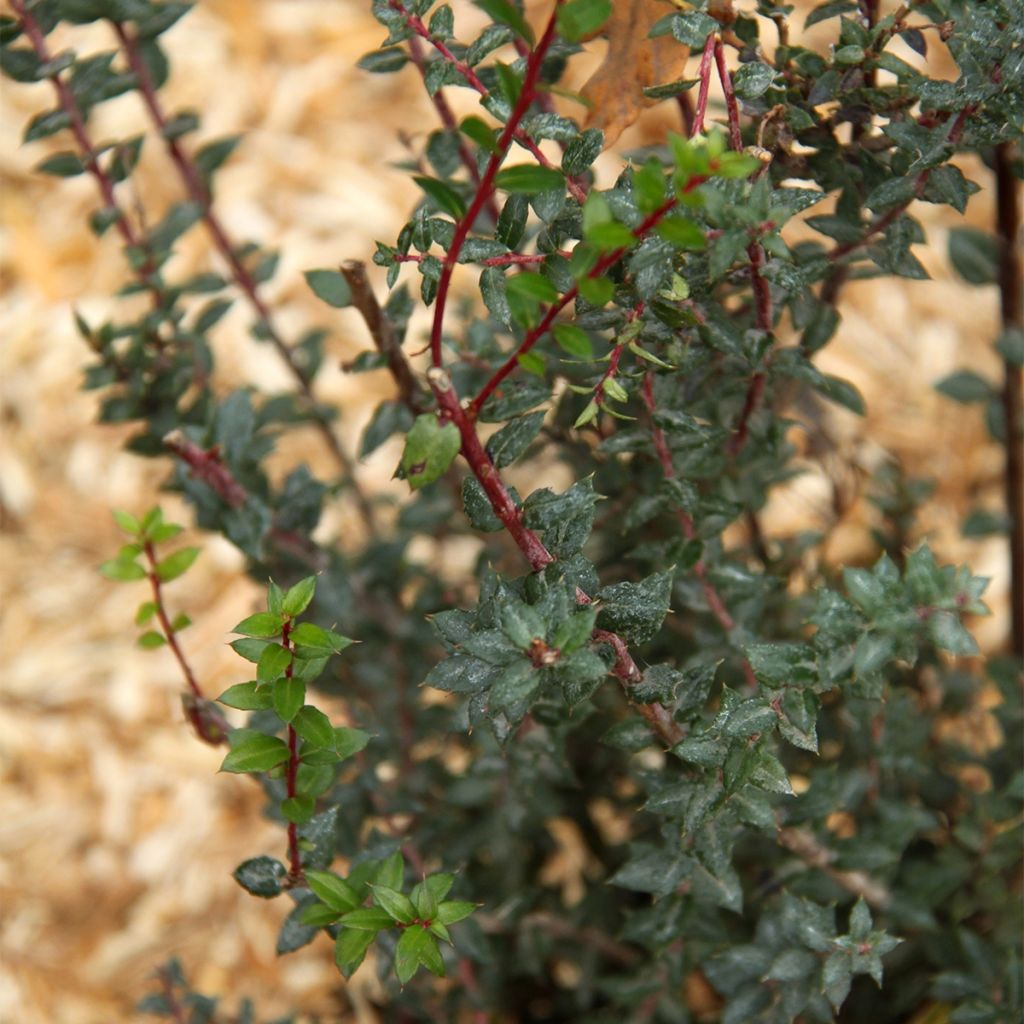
(1011, 300)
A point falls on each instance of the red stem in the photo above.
(704, 74)
(444, 111)
(198, 193)
(70, 107)
(207, 721)
(538, 332)
(486, 187)
(471, 78)
(165, 623)
(764, 314)
(296, 875)
(735, 138)
(887, 218)
(538, 556)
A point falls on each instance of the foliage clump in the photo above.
(790, 827)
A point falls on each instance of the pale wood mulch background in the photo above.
(117, 837)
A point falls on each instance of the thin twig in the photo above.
(104, 182)
(890, 216)
(296, 875)
(764, 314)
(711, 595)
(704, 74)
(381, 332)
(197, 191)
(731, 107)
(472, 79)
(604, 263)
(486, 187)
(207, 721)
(444, 111)
(813, 853)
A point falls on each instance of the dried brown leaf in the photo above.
(633, 63)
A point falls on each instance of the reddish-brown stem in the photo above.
(764, 314)
(104, 182)
(473, 80)
(296, 875)
(890, 216)
(704, 74)
(487, 474)
(625, 668)
(535, 334)
(509, 259)
(170, 635)
(416, 24)
(207, 721)
(178, 1012)
(206, 465)
(365, 301)
(444, 111)
(1011, 301)
(614, 358)
(731, 107)
(486, 187)
(711, 595)
(755, 391)
(686, 112)
(197, 191)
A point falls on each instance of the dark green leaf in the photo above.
(330, 286)
(261, 876)
(974, 254)
(636, 610)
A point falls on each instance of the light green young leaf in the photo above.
(430, 449)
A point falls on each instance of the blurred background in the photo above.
(117, 837)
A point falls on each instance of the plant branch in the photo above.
(535, 334)
(296, 875)
(1011, 300)
(472, 79)
(711, 595)
(207, 721)
(197, 191)
(815, 855)
(486, 187)
(704, 74)
(444, 111)
(886, 219)
(731, 107)
(381, 332)
(104, 182)
(764, 314)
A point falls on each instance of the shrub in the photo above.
(752, 750)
